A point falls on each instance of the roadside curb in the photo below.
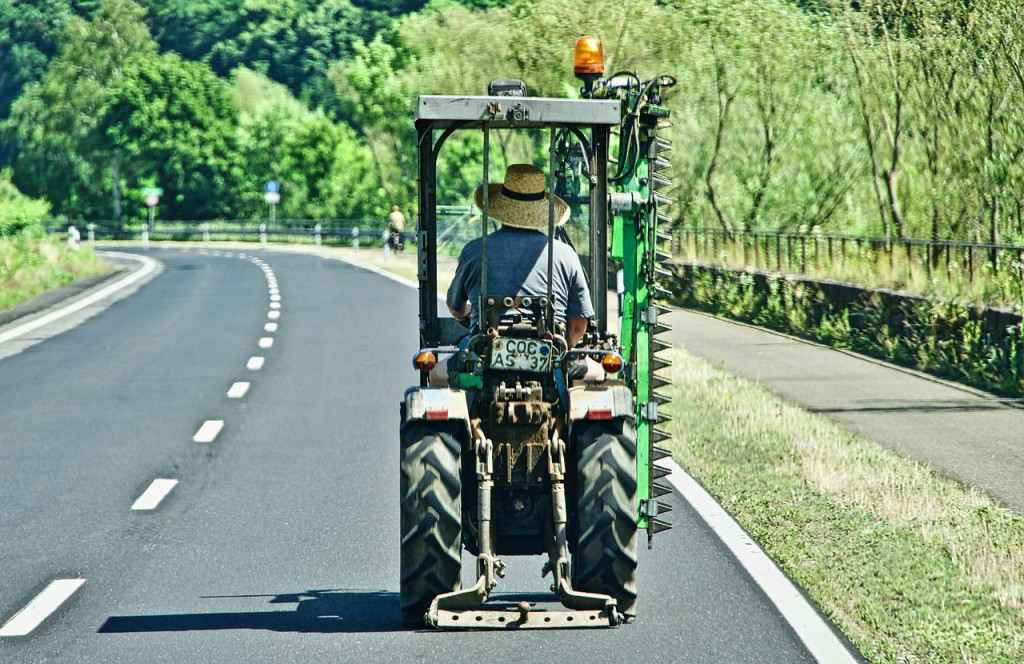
(63, 308)
(57, 295)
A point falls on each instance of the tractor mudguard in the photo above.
(596, 402)
(434, 404)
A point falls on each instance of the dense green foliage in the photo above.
(881, 117)
(54, 121)
(18, 212)
(29, 36)
(173, 122)
(291, 41)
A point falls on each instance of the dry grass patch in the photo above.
(912, 566)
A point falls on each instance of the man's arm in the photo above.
(574, 330)
(460, 313)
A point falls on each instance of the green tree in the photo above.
(327, 173)
(53, 123)
(29, 38)
(291, 41)
(325, 170)
(18, 211)
(173, 123)
(318, 39)
(379, 103)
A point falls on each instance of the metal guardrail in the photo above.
(369, 232)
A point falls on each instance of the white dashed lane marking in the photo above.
(266, 342)
(238, 390)
(209, 431)
(152, 496)
(255, 363)
(273, 315)
(270, 327)
(41, 607)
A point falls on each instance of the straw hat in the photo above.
(521, 201)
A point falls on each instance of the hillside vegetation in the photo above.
(883, 117)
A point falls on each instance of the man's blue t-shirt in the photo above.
(517, 264)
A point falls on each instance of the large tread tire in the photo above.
(431, 522)
(606, 554)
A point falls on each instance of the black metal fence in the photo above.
(836, 255)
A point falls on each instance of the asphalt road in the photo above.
(963, 433)
(279, 539)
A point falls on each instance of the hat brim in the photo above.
(520, 214)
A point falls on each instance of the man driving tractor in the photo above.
(518, 256)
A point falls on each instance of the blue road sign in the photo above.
(272, 187)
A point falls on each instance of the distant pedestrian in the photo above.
(74, 238)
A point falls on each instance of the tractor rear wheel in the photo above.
(606, 553)
(431, 522)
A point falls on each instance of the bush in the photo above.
(974, 345)
(18, 212)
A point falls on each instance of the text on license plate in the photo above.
(521, 354)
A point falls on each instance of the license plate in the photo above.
(521, 354)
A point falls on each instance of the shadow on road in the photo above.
(317, 611)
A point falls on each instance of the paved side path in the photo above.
(974, 437)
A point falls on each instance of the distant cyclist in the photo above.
(396, 225)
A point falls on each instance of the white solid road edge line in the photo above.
(148, 266)
(152, 496)
(41, 607)
(209, 431)
(815, 633)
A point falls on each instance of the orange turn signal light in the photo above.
(611, 362)
(589, 56)
(425, 360)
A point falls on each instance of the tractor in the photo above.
(508, 455)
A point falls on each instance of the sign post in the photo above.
(152, 196)
(272, 194)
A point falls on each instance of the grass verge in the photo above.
(32, 263)
(912, 567)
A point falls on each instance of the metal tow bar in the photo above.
(458, 610)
